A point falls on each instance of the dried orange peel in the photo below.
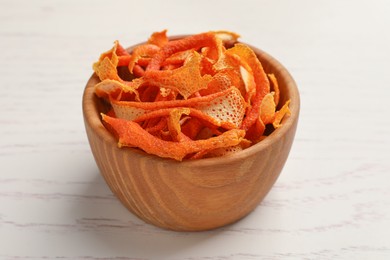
(200, 96)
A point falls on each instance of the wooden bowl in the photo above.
(193, 195)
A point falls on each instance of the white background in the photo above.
(332, 200)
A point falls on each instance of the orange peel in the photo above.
(174, 126)
(142, 51)
(186, 80)
(275, 87)
(279, 115)
(192, 42)
(132, 134)
(105, 67)
(113, 89)
(159, 38)
(267, 109)
(196, 97)
(249, 58)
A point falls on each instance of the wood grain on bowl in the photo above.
(200, 194)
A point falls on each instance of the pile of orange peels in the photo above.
(200, 96)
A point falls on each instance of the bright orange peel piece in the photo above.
(186, 80)
(159, 38)
(132, 134)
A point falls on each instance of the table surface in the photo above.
(332, 200)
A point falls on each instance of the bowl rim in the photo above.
(93, 119)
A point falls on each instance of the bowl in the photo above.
(199, 194)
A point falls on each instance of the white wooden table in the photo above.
(332, 200)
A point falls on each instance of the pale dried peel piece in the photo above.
(111, 54)
(174, 124)
(227, 37)
(126, 112)
(267, 109)
(164, 92)
(227, 109)
(249, 82)
(105, 67)
(275, 87)
(279, 115)
(158, 38)
(108, 88)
